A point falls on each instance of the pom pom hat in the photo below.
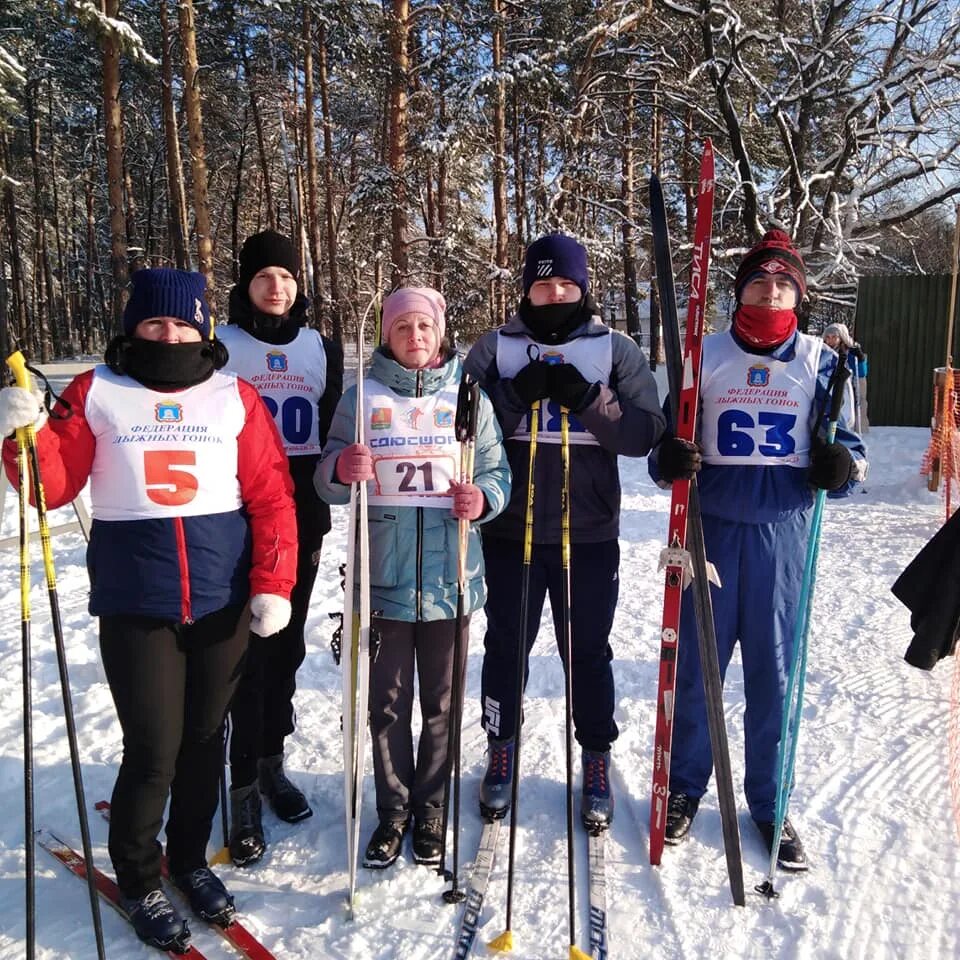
(167, 293)
(555, 255)
(775, 253)
(423, 300)
(267, 249)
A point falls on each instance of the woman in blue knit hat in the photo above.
(557, 350)
(193, 545)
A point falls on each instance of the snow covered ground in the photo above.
(872, 801)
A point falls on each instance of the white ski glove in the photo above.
(269, 614)
(19, 408)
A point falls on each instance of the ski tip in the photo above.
(221, 857)
(503, 943)
(577, 954)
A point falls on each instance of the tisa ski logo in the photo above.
(168, 412)
(758, 376)
(381, 418)
(277, 361)
(443, 417)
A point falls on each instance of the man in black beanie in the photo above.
(763, 389)
(299, 375)
(558, 351)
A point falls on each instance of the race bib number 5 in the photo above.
(169, 480)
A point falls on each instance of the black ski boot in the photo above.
(497, 782)
(156, 922)
(427, 839)
(385, 844)
(596, 801)
(208, 897)
(247, 844)
(791, 855)
(287, 801)
(681, 810)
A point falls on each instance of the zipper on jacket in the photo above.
(183, 564)
(419, 393)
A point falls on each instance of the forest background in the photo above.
(429, 142)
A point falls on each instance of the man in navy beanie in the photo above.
(299, 375)
(557, 350)
(760, 459)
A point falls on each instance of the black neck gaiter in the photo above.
(161, 366)
(553, 322)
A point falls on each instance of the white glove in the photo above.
(269, 614)
(19, 408)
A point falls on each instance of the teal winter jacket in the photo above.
(413, 550)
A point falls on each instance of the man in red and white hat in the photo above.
(763, 388)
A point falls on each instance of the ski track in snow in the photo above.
(872, 800)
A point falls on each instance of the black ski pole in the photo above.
(23, 490)
(568, 658)
(505, 940)
(17, 364)
(465, 429)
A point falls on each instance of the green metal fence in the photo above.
(901, 323)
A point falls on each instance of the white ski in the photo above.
(356, 645)
(477, 889)
(597, 870)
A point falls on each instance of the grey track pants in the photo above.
(405, 785)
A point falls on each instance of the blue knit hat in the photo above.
(167, 293)
(555, 255)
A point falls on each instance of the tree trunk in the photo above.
(235, 240)
(631, 305)
(499, 167)
(41, 320)
(176, 192)
(113, 121)
(198, 163)
(313, 188)
(18, 313)
(261, 142)
(336, 321)
(397, 148)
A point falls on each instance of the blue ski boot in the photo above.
(208, 897)
(156, 922)
(596, 802)
(497, 781)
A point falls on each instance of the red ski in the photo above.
(675, 557)
(236, 934)
(105, 886)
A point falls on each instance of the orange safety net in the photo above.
(941, 461)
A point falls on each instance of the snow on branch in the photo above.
(130, 42)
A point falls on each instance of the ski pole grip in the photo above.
(18, 365)
(840, 379)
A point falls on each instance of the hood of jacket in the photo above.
(403, 381)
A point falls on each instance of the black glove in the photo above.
(678, 459)
(857, 352)
(567, 386)
(830, 465)
(530, 383)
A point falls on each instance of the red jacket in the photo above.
(178, 567)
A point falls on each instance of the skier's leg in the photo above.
(435, 649)
(214, 648)
(503, 560)
(769, 604)
(146, 672)
(691, 761)
(391, 712)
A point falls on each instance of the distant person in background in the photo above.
(834, 335)
(299, 375)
